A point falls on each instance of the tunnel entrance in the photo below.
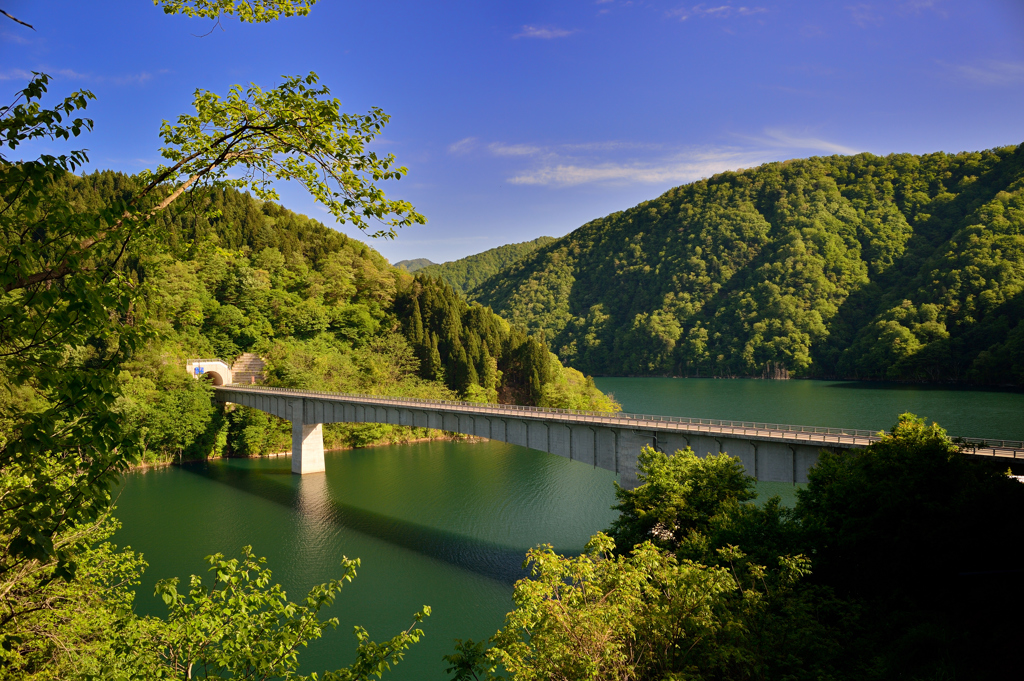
(213, 377)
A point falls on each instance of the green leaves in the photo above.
(25, 119)
(241, 625)
(470, 661)
(248, 11)
(603, 616)
(680, 496)
(293, 132)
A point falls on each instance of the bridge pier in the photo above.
(307, 448)
(307, 438)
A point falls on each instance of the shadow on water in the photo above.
(920, 387)
(483, 558)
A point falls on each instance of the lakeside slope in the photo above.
(904, 267)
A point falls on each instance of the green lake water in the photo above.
(446, 524)
(837, 404)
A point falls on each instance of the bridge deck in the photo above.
(843, 438)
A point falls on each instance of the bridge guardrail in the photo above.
(974, 444)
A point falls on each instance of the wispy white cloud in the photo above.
(991, 72)
(463, 146)
(679, 168)
(558, 150)
(864, 15)
(780, 139)
(124, 79)
(114, 161)
(622, 162)
(570, 165)
(15, 74)
(802, 92)
(918, 6)
(499, 149)
(714, 12)
(9, 37)
(72, 75)
(543, 32)
(610, 145)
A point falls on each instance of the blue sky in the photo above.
(521, 119)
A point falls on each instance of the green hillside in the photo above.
(232, 274)
(411, 266)
(466, 273)
(901, 267)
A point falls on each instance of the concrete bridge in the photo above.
(768, 451)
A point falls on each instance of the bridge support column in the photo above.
(307, 447)
(307, 438)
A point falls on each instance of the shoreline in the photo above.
(936, 385)
(270, 455)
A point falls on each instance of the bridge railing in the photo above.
(627, 419)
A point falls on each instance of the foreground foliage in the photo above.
(242, 626)
(75, 313)
(898, 561)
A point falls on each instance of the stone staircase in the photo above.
(248, 369)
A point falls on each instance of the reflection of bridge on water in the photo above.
(768, 451)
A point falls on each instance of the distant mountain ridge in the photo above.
(466, 273)
(411, 266)
(902, 267)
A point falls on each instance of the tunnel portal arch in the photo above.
(214, 370)
(213, 377)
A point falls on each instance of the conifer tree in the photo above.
(436, 367)
(416, 325)
(490, 375)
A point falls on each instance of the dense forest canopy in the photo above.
(325, 311)
(467, 273)
(901, 267)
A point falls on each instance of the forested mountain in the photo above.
(415, 265)
(325, 311)
(901, 267)
(467, 273)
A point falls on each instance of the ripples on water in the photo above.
(837, 404)
(444, 524)
(447, 524)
